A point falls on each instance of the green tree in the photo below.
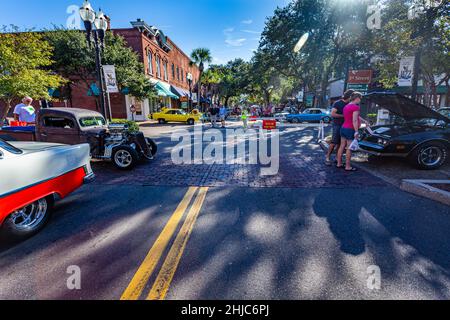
(229, 80)
(427, 36)
(24, 68)
(200, 56)
(75, 59)
(337, 41)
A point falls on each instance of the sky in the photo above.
(229, 28)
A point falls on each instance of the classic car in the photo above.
(111, 142)
(177, 115)
(281, 116)
(310, 115)
(33, 175)
(418, 133)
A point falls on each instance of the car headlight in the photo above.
(383, 141)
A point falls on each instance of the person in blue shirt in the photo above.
(222, 114)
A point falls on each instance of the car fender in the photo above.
(443, 141)
(56, 170)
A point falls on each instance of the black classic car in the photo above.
(418, 133)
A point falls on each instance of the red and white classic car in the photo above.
(32, 176)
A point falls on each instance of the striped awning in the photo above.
(163, 90)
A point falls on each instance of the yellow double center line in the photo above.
(165, 276)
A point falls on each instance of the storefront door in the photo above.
(141, 108)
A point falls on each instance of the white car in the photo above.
(281, 117)
(33, 175)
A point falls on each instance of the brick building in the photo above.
(166, 65)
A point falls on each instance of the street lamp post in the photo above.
(189, 80)
(97, 20)
(201, 69)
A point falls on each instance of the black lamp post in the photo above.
(96, 24)
(189, 80)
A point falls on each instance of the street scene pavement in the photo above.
(295, 235)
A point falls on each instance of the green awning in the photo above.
(164, 90)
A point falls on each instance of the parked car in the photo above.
(281, 117)
(418, 133)
(113, 142)
(33, 175)
(310, 115)
(177, 115)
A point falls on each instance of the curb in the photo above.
(424, 189)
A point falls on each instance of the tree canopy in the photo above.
(341, 38)
(25, 59)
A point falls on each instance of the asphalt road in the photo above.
(316, 239)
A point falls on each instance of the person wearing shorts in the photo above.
(223, 115)
(349, 130)
(337, 112)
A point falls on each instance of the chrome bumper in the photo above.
(89, 178)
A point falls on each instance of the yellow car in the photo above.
(177, 115)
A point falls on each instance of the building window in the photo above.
(178, 74)
(166, 76)
(173, 71)
(150, 62)
(158, 67)
(182, 75)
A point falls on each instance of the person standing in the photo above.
(25, 112)
(349, 130)
(223, 115)
(337, 113)
(214, 110)
(244, 118)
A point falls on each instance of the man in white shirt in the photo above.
(25, 111)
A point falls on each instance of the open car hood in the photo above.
(402, 106)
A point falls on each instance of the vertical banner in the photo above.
(110, 79)
(406, 72)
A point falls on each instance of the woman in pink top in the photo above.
(349, 131)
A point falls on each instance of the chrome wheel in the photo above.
(30, 216)
(123, 158)
(431, 156)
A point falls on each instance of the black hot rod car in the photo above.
(418, 133)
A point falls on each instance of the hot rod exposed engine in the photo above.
(126, 148)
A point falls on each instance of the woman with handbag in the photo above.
(350, 130)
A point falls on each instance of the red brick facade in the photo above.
(176, 62)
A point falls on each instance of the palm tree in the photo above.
(199, 57)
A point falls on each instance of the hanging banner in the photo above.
(406, 72)
(110, 79)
